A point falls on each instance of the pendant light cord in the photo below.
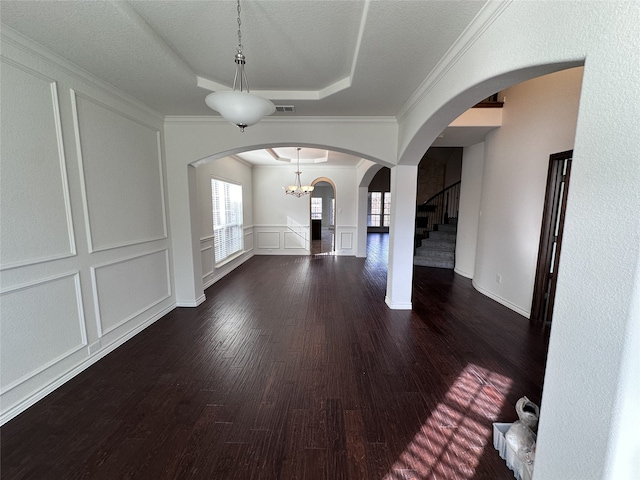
(239, 31)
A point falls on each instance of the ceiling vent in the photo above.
(285, 108)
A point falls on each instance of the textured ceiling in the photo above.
(326, 57)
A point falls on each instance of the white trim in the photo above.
(83, 185)
(397, 306)
(96, 296)
(63, 170)
(501, 300)
(343, 240)
(46, 390)
(312, 95)
(197, 302)
(81, 321)
(463, 274)
(210, 247)
(269, 247)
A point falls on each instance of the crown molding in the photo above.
(321, 94)
(11, 37)
(481, 22)
(208, 119)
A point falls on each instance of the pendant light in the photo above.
(239, 106)
(297, 189)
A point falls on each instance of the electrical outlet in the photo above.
(498, 278)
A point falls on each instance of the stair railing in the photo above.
(439, 209)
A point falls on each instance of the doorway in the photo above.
(555, 204)
(323, 217)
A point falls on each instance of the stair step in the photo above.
(443, 236)
(439, 249)
(436, 254)
(447, 228)
(438, 244)
(429, 262)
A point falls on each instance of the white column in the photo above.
(401, 233)
(361, 219)
(185, 235)
(469, 211)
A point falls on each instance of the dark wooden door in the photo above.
(555, 204)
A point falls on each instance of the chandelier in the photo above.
(297, 189)
(239, 106)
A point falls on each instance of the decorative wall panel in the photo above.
(248, 239)
(126, 288)
(268, 240)
(121, 176)
(42, 323)
(346, 240)
(34, 193)
(206, 254)
(293, 241)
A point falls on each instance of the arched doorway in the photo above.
(323, 217)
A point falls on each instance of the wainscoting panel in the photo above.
(346, 241)
(121, 177)
(207, 260)
(126, 288)
(293, 241)
(269, 240)
(281, 240)
(248, 239)
(42, 324)
(36, 221)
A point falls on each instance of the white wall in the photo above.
(598, 276)
(188, 140)
(539, 119)
(273, 209)
(85, 254)
(469, 212)
(231, 170)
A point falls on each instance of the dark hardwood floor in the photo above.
(294, 368)
(325, 244)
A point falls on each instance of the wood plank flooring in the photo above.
(294, 368)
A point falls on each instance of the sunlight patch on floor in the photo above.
(452, 440)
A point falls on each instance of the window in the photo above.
(226, 199)
(332, 213)
(379, 209)
(375, 203)
(316, 208)
(386, 212)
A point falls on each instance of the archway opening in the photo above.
(323, 217)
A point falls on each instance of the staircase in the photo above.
(436, 229)
(439, 249)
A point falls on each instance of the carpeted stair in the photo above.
(439, 249)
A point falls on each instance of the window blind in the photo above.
(226, 199)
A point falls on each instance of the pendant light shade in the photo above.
(240, 108)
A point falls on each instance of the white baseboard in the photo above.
(192, 304)
(397, 306)
(502, 301)
(463, 273)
